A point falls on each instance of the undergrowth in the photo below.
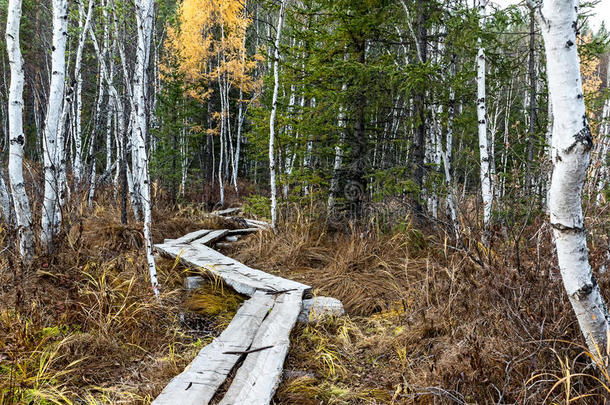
(429, 320)
(85, 328)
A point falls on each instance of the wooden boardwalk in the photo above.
(256, 341)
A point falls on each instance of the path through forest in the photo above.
(256, 341)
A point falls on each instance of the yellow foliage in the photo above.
(208, 41)
(591, 84)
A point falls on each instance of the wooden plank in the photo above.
(257, 224)
(228, 211)
(244, 231)
(258, 377)
(198, 383)
(256, 221)
(319, 308)
(211, 237)
(240, 277)
(189, 237)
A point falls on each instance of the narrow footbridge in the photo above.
(252, 349)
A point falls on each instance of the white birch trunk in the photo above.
(334, 182)
(548, 153)
(144, 19)
(571, 146)
(84, 21)
(484, 155)
(276, 85)
(105, 50)
(240, 117)
(52, 150)
(93, 173)
(308, 151)
(222, 137)
(601, 151)
(446, 160)
(16, 136)
(289, 159)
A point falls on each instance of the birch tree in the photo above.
(144, 18)
(276, 86)
(484, 149)
(571, 146)
(84, 20)
(21, 202)
(52, 151)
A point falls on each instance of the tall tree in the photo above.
(16, 135)
(144, 16)
(52, 150)
(276, 86)
(484, 144)
(571, 147)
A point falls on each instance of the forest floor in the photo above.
(86, 328)
(426, 322)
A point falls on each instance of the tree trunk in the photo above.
(484, 155)
(144, 18)
(84, 21)
(16, 135)
(52, 150)
(571, 147)
(419, 101)
(532, 106)
(276, 86)
(334, 181)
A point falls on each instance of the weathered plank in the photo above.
(257, 224)
(244, 231)
(318, 308)
(211, 237)
(228, 211)
(240, 277)
(206, 373)
(260, 331)
(189, 237)
(258, 377)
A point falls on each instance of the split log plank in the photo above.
(189, 237)
(206, 373)
(241, 278)
(244, 231)
(258, 377)
(258, 224)
(211, 237)
(227, 211)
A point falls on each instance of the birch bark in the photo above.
(52, 150)
(144, 18)
(484, 154)
(276, 85)
(21, 202)
(571, 148)
(84, 22)
(334, 182)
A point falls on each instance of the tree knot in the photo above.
(583, 292)
(583, 137)
(568, 229)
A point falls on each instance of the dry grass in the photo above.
(85, 326)
(426, 323)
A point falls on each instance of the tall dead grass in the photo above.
(84, 326)
(428, 322)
